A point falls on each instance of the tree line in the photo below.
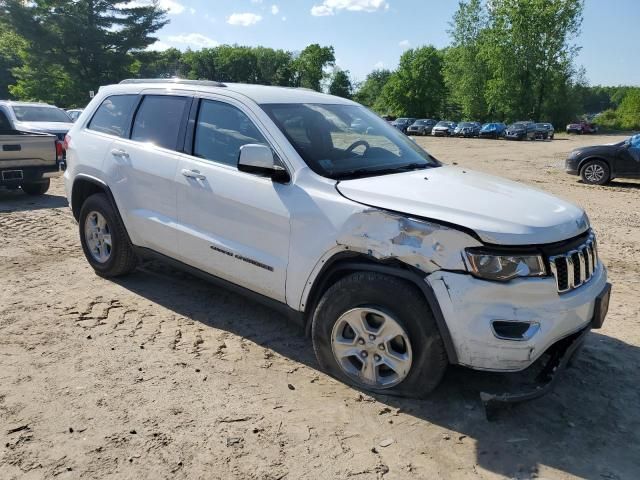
(508, 60)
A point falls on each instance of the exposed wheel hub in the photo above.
(371, 347)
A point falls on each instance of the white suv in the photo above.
(396, 264)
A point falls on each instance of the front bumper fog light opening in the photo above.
(515, 331)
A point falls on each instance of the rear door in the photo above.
(142, 169)
(233, 225)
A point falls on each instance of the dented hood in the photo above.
(500, 211)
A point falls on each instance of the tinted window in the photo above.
(220, 132)
(35, 113)
(158, 120)
(4, 122)
(112, 116)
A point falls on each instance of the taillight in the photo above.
(59, 150)
(67, 141)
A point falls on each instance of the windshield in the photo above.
(443, 123)
(420, 122)
(34, 113)
(321, 134)
(465, 124)
(516, 126)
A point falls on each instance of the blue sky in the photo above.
(368, 34)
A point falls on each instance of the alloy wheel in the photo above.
(594, 173)
(97, 235)
(371, 348)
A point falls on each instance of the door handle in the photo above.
(193, 174)
(119, 153)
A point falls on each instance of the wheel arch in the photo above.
(595, 157)
(344, 263)
(83, 187)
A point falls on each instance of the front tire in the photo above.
(36, 188)
(104, 238)
(377, 333)
(595, 172)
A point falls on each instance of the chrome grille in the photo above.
(576, 267)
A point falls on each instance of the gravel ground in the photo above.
(159, 375)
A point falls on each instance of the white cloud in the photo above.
(274, 9)
(196, 40)
(256, 1)
(404, 44)
(330, 7)
(284, 19)
(243, 19)
(158, 46)
(379, 65)
(192, 11)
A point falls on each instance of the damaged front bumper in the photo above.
(472, 308)
(560, 353)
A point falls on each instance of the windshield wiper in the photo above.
(360, 172)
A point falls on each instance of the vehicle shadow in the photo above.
(18, 201)
(588, 427)
(615, 184)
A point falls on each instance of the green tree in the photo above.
(10, 47)
(528, 46)
(73, 46)
(310, 66)
(628, 112)
(417, 87)
(370, 91)
(341, 84)
(465, 71)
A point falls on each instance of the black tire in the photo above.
(406, 305)
(589, 179)
(36, 188)
(122, 259)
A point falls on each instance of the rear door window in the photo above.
(112, 116)
(5, 125)
(159, 119)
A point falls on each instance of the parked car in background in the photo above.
(422, 126)
(521, 131)
(493, 130)
(407, 277)
(403, 123)
(443, 128)
(37, 117)
(467, 129)
(599, 164)
(545, 131)
(74, 113)
(582, 127)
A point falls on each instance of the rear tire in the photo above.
(36, 188)
(382, 304)
(595, 172)
(104, 239)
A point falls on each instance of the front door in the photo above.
(233, 224)
(628, 161)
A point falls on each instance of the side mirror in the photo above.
(258, 159)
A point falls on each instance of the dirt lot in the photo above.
(162, 376)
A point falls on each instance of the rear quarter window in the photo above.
(112, 116)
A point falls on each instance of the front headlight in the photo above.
(503, 267)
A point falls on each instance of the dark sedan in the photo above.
(599, 164)
(545, 131)
(422, 126)
(493, 130)
(521, 131)
(443, 128)
(403, 123)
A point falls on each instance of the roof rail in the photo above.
(206, 83)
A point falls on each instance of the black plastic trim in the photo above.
(351, 262)
(293, 315)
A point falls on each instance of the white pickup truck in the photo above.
(28, 160)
